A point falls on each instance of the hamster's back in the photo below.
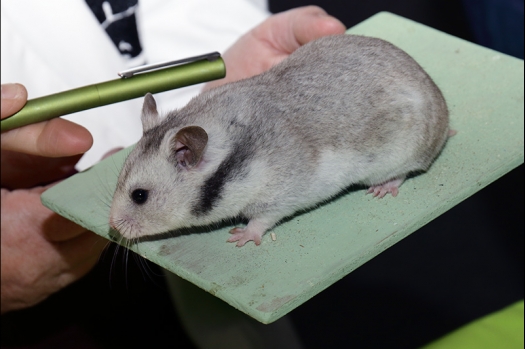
(360, 97)
(350, 92)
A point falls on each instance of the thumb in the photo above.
(293, 28)
(14, 97)
(54, 227)
(312, 22)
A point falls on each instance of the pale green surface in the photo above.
(484, 90)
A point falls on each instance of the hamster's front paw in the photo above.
(391, 187)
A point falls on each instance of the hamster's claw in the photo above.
(243, 235)
(381, 190)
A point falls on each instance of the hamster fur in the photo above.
(340, 110)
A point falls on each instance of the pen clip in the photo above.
(150, 67)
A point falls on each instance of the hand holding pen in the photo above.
(54, 138)
(31, 155)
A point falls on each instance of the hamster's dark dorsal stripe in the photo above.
(231, 169)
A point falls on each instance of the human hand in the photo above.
(53, 138)
(274, 40)
(28, 148)
(41, 252)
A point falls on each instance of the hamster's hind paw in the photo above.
(243, 235)
(391, 187)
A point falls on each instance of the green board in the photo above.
(484, 91)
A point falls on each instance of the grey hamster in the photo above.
(340, 110)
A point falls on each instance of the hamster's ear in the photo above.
(188, 145)
(150, 117)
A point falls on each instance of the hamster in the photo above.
(340, 110)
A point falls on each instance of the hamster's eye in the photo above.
(139, 196)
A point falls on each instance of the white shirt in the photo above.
(55, 45)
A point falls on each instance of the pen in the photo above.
(132, 84)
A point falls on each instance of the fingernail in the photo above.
(11, 91)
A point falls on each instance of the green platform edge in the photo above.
(484, 91)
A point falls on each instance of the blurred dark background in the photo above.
(497, 24)
(463, 265)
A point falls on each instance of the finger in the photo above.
(274, 39)
(289, 30)
(111, 152)
(21, 170)
(40, 263)
(85, 247)
(54, 138)
(72, 275)
(312, 22)
(53, 227)
(79, 256)
(58, 229)
(14, 96)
